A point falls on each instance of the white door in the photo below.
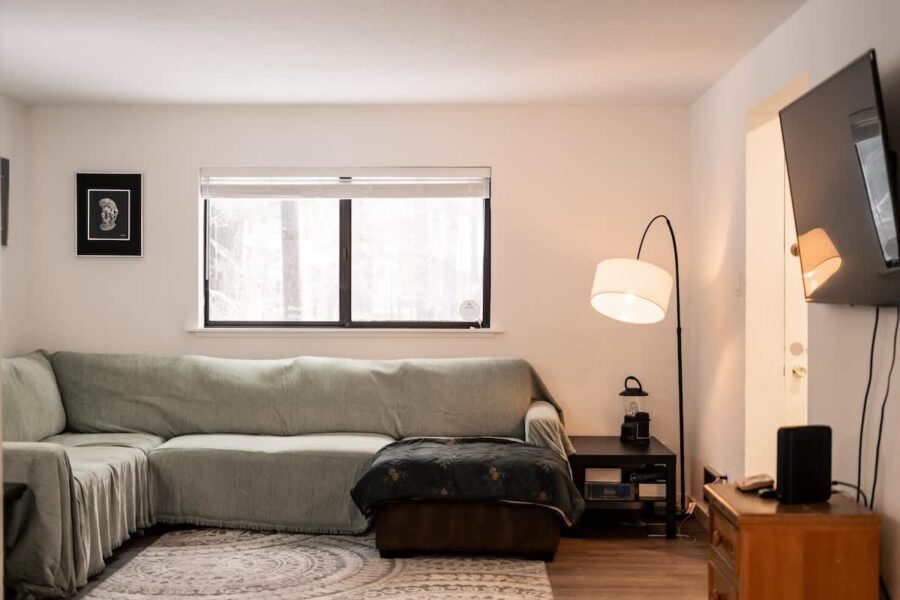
(795, 323)
(775, 317)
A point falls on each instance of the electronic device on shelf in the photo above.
(804, 464)
(608, 491)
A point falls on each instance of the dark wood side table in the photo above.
(610, 452)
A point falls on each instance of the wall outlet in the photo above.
(711, 475)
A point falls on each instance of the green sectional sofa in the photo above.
(111, 444)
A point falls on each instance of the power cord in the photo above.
(887, 392)
(862, 424)
(885, 593)
(678, 535)
(858, 489)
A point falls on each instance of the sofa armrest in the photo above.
(544, 428)
(40, 558)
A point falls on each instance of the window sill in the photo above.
(338, 332)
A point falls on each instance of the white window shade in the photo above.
(413, 182)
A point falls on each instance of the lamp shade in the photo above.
(819, 259)
(630, 290)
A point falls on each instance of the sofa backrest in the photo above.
(32, 408)
(178, 395)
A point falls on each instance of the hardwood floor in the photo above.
(617, 563)
(627, 568)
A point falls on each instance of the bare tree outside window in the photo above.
(273, 260)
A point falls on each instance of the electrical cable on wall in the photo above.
(862, 424)
(869, 502)
(887, 393)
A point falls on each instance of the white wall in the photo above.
(816, 41)
(571, 185)
(13, 259)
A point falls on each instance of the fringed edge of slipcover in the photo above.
(204, 522)
(139, 530)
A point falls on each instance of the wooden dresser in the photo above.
(763, 550)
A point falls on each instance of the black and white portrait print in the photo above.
(108, 215)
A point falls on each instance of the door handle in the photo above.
(799, 371)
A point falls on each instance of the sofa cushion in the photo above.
(181, 395)
(112, 500)
(141, 441)
(291, 483)
(32, 409)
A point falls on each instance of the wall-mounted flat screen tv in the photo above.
(842, 176)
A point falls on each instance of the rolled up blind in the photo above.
(412, 182)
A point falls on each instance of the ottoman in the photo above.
(471, 495)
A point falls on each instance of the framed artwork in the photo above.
(109, 214)
(4, 201)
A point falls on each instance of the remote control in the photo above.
(755, 482)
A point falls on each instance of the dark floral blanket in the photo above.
(469, 469)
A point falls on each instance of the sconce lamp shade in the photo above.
(630, 290)
(819, 259)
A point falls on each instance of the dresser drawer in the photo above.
(723, 539)
(720, 586)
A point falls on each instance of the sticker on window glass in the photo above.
(469, 310)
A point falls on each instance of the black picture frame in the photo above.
(109, 214)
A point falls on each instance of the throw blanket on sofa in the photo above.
(469, 469)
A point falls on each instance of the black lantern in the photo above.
(636, 427)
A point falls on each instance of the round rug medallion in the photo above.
(240, 565)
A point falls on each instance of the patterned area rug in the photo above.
(240, 565)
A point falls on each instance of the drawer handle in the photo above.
(717, 595)
(719, 540)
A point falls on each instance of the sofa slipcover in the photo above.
(544, 428)
(81, 504)
(112, 500)
(86, 492)
(179, 395)
(286, 483)
(271, 444)
(32, 408)
(141, 441)
(41, 528)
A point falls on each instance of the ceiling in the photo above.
(375, 51)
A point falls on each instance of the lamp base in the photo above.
(636, 428)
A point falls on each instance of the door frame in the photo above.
(773, 395)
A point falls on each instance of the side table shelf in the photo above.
(610, 452)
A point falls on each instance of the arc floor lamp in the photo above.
(637, 291)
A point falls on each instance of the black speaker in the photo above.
(804, 464)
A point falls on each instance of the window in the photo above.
(369, 248)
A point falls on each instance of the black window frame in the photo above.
(346, 288)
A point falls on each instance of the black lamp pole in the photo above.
(678, 336)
